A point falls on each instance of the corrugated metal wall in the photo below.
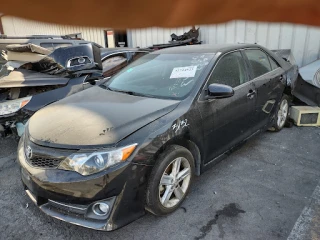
(13, 26)
(303, 40)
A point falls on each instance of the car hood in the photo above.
(94, 117)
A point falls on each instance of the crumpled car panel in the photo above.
(27, 78)
(306, 92)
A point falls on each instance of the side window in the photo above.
(259, 62)
(136, 55)
(230, 70)
(113, 64)
(274, 64)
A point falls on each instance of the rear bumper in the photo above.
(69, 196)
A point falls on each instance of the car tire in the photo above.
(170, 180)
(281, 115)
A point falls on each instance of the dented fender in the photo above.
(179, 127)
(306, 92)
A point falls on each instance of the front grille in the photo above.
(44, 162)
(44, 157)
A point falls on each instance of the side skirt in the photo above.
(222, 156)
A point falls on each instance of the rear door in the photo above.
(227, 121)
(268, 79)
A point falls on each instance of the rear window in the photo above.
(113, 64)
(53, 46)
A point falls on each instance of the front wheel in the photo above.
(170, 180)
(281, 115)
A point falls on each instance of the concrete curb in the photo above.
(308, 224)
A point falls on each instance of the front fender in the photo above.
(180, 129)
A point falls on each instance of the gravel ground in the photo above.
(258, 192)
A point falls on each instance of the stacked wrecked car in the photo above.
(34, 77)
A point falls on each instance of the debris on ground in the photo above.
(305, 115)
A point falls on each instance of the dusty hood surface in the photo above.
(95, 117)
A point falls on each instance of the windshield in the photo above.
(161, 75)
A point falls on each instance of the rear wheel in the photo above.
(170, 180)
(281, 115)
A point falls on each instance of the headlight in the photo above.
(13, 106)
(90, 163)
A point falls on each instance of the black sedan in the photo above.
(101, 157)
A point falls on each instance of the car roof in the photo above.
(106, 51)
(122, 49)
(205, 48)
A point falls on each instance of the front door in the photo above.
(228, 121)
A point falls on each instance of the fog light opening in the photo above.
(100, 209)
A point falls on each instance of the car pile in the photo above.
(34, 77)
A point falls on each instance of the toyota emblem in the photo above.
(29, 152)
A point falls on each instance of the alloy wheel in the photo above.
(282, 113)
(174, 182)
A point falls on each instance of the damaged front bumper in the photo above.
(80, 215)
(71, 197)
(14, 123)
(43, 77)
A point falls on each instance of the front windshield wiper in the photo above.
(106, 87)
(130, 93)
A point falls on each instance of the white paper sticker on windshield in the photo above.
(184, 72)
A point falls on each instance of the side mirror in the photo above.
(216, 90)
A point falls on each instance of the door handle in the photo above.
(251, 94)
(281, 78)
